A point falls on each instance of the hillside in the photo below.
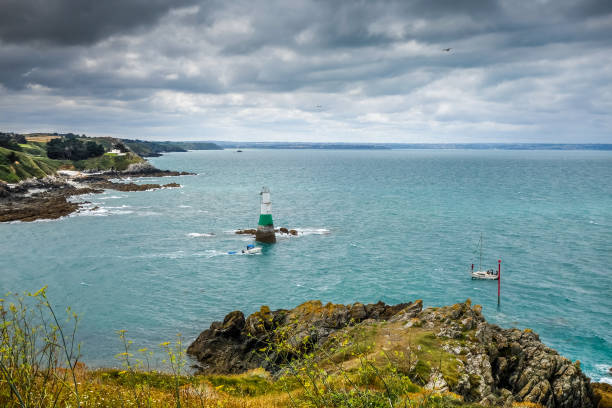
(151, 149)
(40, 155)
(109, 161)
(16, 166)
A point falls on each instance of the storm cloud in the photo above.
(308, 70)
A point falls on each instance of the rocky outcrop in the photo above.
(148, 170)
(286, 231)
(265, 234)
(281, 231)
(47, 198)
(41, 206)
(232, 346)
(109, 185)
(508, 364)
(493, 366)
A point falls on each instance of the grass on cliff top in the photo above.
(108, 162)
(16, 166)
(414, 352)
(35, 149)
(362, 366)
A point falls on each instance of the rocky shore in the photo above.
(480, 361)
(47, 198)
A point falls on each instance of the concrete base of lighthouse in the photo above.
(265, 233)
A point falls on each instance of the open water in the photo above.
(393, 225)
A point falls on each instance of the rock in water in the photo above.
(265, 234)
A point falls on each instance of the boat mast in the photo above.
(480, 262)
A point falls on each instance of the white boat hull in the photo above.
(486, 275)
(250, 251)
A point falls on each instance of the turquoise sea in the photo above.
(394, 225)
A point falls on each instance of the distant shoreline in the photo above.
(416, 146)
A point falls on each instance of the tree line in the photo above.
(71, 148)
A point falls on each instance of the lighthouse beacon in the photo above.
(265, 228)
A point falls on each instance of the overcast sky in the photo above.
(302, 70)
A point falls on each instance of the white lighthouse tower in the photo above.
(265, 227)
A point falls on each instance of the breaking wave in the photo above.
(200, 234)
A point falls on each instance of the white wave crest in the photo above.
(313, 231)
(200, 234)
(604, 370)
(146, 213)
(92, 212)
(113, 197)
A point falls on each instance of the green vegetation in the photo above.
(35, 149)
(362, 366)
(366, 366)
(72, 148)
(41, 155)
(148, 148)
(108, 161)
(11, 141)
(17, 165)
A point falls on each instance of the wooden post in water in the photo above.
(498, 280)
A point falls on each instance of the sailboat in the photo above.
(489, 274)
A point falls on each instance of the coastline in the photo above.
(324, 355)
(48, 198)
(443, 349)
(354, 298)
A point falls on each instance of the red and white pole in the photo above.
(498, 280)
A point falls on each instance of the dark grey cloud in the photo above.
(77, 22)
(516, 69)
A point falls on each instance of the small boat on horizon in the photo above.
(489, 274)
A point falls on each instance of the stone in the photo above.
(233, 346)
(265, 234)
(494, 366)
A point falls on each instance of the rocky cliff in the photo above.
(451, 348)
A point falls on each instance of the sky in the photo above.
(308, 70)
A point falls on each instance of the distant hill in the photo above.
(151, 149)
(40, 155)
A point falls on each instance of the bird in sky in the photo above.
(446, 49)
